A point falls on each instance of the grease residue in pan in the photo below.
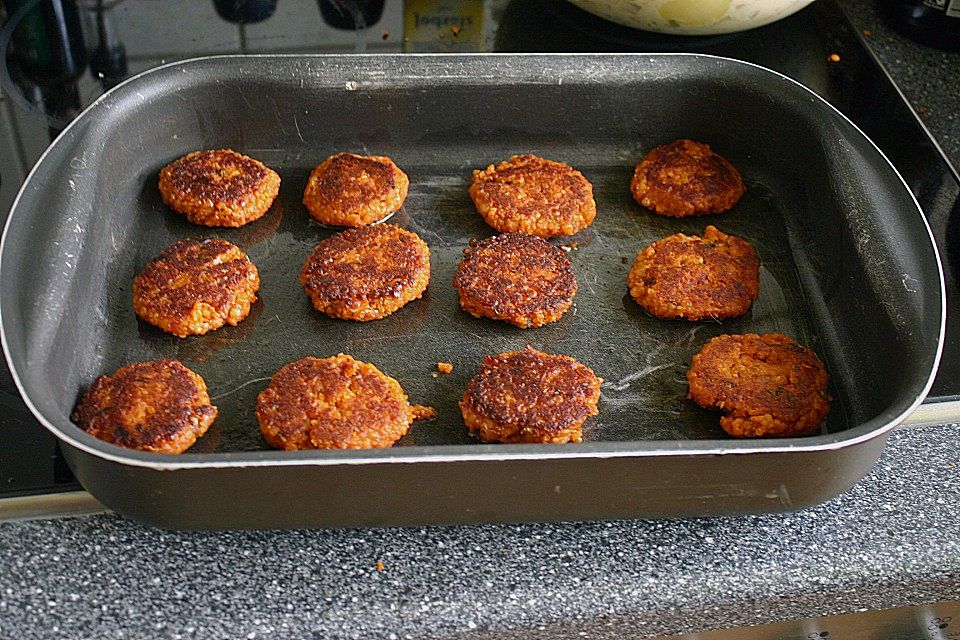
(643, 360)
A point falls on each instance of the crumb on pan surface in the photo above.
(515, 277)
(445, 367)
(766, 385)
(194, 287)
(219, 188)
(420, 412)
(159, 406)
(686, 178)
(334, 403)
(351, 190)
(680, 276)
(529, 194)
(530, 396)
(366, 273)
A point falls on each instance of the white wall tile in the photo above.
(159, 29)
(31, 133)
(12, 169)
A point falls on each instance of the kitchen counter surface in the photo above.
(926, 76)
(890, 541)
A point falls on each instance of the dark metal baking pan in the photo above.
(849, 268)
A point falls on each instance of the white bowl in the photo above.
(692, 17)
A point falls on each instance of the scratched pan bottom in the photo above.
(643, 360)
(848, 268)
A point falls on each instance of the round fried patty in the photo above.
(530, 396)
(766, 385)
(333, 403)
(515, 277)
(532, 195)
(219, 188)
(194, 286)
(366, 273)
(158, 406)
(686, 178)
(352, 191)
(716, 276)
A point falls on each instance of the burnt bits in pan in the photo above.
(716, 276)
(530, 396)
(686, 178)
(334, 403)
(766, 385)
(366, 273)
(529, 194)
(195, 286)
(159, 406)
(515, 277)
(219, 188)
(350, 190)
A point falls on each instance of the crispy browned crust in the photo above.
(334, 403)
(219, 188)
(349, 190)
(530, 396)
(681, 276)
(515, 277)
(766, 386)
(193, 287)
(686, 178)
(366, 273)
(531, 195)
(159, 406)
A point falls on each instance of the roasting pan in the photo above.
(849, 268)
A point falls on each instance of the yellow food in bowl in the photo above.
(692, 17)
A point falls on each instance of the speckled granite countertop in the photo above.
(890, 541)
(928, 77)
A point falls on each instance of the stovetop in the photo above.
(109, 40)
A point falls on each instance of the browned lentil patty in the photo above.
(350, 190)
(219, 188)
(515, 277)
(366, 273)
(766, 385)
(159, 406)
(532, 195)
(716, 276)
(194, 286)
(530, 396)
(334, 403)
(686, 178)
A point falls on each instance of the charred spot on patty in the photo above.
(530, 396)
(515, 277)
(159, 406)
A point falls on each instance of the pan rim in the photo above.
(439, 454)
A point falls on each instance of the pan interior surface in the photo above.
(846, 267)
